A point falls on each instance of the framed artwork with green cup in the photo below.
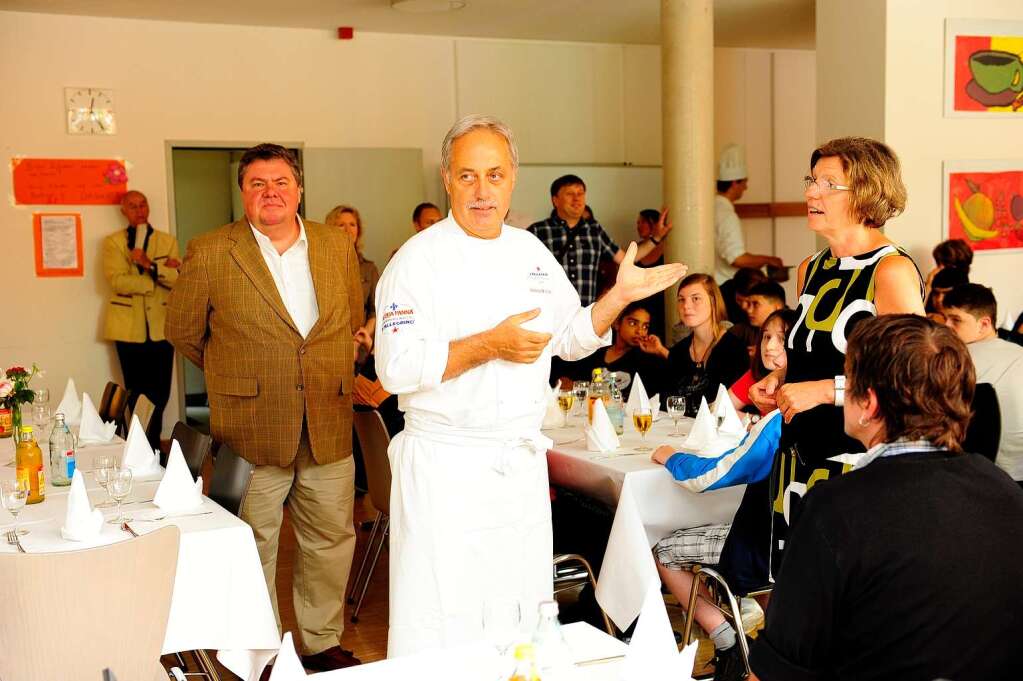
(983, 68)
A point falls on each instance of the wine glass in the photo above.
(119, 487)
(581, 388)
(502, 618)
(42, 396)
(14, 495)
(566, 398)
(41, 417)
(676, 410)
(102, 468)
(643, 419)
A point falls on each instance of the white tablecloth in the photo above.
(480, 662)
(220, 600)
(650, 505)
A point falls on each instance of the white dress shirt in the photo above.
(294, 280)
(729, 242)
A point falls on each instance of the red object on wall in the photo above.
(68, 181)
(345, 32)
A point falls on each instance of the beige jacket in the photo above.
(137, 299)
(262, 377)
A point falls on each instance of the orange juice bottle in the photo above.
(28, 460)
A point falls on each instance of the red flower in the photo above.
(16, 372)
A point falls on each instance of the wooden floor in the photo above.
(367, 639)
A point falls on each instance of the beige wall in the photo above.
(923, 137)
(569, 103)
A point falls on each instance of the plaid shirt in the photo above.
(578, 249)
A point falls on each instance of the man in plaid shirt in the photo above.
(579, 244)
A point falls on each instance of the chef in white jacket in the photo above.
(469, 314)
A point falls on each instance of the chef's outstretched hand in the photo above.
(636, 283)
(516, 344)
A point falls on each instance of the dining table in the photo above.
(220, 600)
(648, 503)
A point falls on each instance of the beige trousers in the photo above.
(320, 498)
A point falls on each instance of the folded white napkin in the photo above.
(729, 422)
(705, 430)
(82, 522)
(138, 455)
(655, 405)
(552, 417)
(652, 652)
(637, 396)
(93, 430)
(287, 666)
(600, 435)
(177, 491)
(70, 405)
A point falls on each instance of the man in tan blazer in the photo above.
(141, 265)
(267, 307)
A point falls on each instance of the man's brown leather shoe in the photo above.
(331, 658)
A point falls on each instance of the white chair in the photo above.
(74, 614)
(373, 438)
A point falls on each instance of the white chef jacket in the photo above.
(470, 511)
(729, 242)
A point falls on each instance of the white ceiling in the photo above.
(737, 23)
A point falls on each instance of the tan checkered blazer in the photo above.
(226, 315)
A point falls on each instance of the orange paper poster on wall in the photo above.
(58, 244)
(68, 181)
(985, 72)
(986, 208)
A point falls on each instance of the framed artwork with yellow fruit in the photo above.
(984, 204)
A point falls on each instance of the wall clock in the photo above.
(90, 111)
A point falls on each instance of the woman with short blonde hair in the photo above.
(348, 219)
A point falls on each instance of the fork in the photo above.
(14, 540)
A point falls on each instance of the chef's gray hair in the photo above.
(476, 122)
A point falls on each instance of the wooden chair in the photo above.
(230, 480)
(195, 446)
(143, 410)
(373, 439)
(113, 404)
(71, 615)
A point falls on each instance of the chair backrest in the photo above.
(230, 482)
(985, 428)
(373, 439)
(70, 615)
(108, 394)
(143, 410)
(195, 446)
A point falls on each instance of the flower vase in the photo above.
(16, 422)
(6, 422)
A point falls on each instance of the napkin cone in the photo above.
(287, 666)
(720, 400)
(655, 406)
(138, 455)
(177, 491)
(93, 430)
(724, 411)
(552, 417)
(70, 405)
(637, 396)
(82, 522)
(705, 430)
(652, 652)
(600, 435)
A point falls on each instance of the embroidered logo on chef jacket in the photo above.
(537, 278)
(397, 316)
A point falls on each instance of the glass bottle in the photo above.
(598, 391)
(525, 669)
(62, 453)
(616, 408)
(28, 461)
(553, 656)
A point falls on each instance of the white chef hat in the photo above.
(732, 165)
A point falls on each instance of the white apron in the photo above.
(470, 521)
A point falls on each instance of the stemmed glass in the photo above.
(566, 398)
(502, 618)
(581, 388)
(119, 487)
(676, 410)
(102, 470)
(14, 495)
(643, 419)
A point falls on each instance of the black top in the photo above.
(650, 367)
(727, 361)
(837, 294)
(908, 569)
